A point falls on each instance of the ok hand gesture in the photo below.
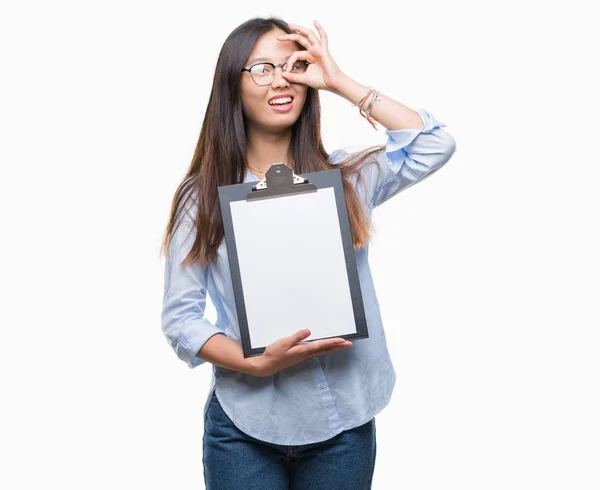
(322, 72)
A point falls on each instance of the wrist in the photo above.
(252, 366)
(351, 90)
(339, 87)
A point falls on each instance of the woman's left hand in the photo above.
(322, 72)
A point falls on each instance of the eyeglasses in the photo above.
(264, 73)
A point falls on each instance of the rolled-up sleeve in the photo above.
(183, 322)
(409, 156)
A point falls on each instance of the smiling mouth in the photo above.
(288, 100)
(282, 108)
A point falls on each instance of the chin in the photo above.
(281, 120)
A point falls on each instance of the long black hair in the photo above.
(220, 154)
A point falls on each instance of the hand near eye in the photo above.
(322, 72)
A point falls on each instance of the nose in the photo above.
(278, 79)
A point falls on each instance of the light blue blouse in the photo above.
(318, 398)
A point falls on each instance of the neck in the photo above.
(264, 148)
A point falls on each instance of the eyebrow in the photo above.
(263, 59)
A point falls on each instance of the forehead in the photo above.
(269, 48)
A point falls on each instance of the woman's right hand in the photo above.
(288, 351)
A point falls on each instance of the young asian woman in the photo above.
(302, 414)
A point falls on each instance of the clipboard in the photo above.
(291, 257)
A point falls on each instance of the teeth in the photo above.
(284, 100)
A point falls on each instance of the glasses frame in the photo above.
(274, 65)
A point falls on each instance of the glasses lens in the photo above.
(264, 74)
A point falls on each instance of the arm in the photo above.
(415, 150)
(417, 145)
(188, 333)
(227, 353)
(195, 340)
(388, 112)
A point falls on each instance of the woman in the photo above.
(302, 414)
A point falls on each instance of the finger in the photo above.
(296, 55)
(295, 338)
(312, 37)
(295, 37)
(324, 344)
(330, 349)
(310, 348)
(319, 345)
(322, 33)
(294, 77)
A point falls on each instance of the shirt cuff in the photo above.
(400, 139)
(192, 337)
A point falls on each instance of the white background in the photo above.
(487, 273)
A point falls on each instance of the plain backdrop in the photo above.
(487, 273)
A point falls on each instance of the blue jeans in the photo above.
(235, 460)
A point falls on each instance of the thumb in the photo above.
(297, 337)
(292, 77)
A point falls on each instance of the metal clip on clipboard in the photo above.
(280, 181)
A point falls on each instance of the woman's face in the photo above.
(255, 98)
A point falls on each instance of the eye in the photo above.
(261, 69)
(300, 65)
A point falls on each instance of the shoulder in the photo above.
(187, 205)
(337, 156)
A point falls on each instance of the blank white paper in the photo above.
(292, 267)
